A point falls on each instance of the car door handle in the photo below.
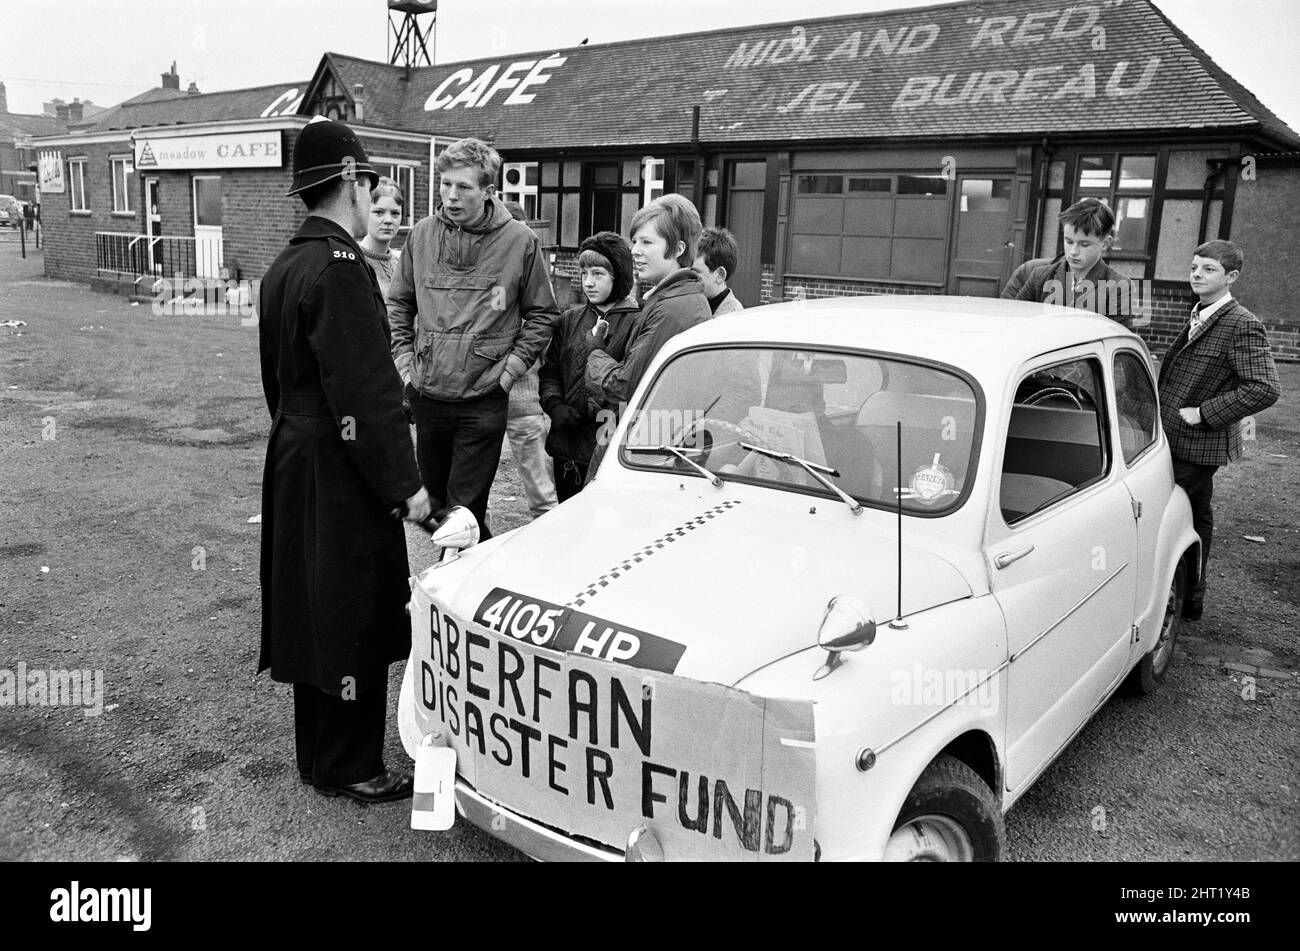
(1011, 557)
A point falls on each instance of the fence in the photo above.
(157, 256)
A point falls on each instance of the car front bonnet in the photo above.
(739, 578)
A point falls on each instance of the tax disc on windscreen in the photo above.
(933, 483)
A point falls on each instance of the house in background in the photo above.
(913, 151)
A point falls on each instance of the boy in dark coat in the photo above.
(605, 264)
(1217, 372)
(334, 567)
(1080, 277)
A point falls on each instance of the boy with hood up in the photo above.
(605, 264)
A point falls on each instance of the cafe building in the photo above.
(915, 151)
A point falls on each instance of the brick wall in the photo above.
(69, 237)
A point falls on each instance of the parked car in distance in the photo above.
(850, 577)
(11, 212)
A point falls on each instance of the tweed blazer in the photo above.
(1228, 372)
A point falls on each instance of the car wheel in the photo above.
(949, 816)
(1155, 663)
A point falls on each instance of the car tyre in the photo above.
(1155, 663)
(950, 815)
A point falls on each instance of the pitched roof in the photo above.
(15, 126)
(159, 107)
(984, 68)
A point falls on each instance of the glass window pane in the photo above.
(572, 174)
(821, 184)
(1096, 171)
(550, 203)
(603, 174)
(986, 194)
(833, 409)
(1137, 173)
(871, 185)
(632, 172)
(550, 174)
(1056, 441)
(569, 220)
(749, 174)
(1131, 216)
(685, 173)
(207, 202)
(1056, 175)
(1135, 399)
(922, 185)
(530, 173)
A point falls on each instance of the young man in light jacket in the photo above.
(470, 309)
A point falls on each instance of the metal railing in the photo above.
(157, 256)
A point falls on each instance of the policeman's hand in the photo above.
(1191, 415)
(564, 415)
(419, 506)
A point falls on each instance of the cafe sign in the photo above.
(219, 150)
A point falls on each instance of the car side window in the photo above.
(1135, 399)
(1057, 439)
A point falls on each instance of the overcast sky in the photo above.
(107, 52)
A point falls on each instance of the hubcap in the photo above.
(1165, 645)
(930, 839)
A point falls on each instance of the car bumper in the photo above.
(533, 839)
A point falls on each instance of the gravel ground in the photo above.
(126, 546)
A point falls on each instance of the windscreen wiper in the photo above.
(680, 453)
(813, 469)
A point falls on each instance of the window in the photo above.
(1135, 398)
(879, 227)
(519, 184)
(207, 201)
(605, 192)
(77, 185)
(830, 408)
(1056, 442)
(123, 184)
(1127, 184)
(653, 171)
(404, 175)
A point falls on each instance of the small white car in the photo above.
(851, 574)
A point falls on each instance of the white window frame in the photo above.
(652, 171)
(77, 185)
(123, 174)
(523, 193)
(401, 171)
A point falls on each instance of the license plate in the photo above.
(433, 806)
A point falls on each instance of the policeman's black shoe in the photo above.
(305, 777)
(388, 786)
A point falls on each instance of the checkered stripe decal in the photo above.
(659, 544)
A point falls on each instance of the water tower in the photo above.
(409, 42)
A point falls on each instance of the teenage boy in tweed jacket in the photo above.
(1217, 372)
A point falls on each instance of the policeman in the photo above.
(338, 464)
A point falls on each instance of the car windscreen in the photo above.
(747, 413)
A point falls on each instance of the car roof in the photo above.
(968, 332)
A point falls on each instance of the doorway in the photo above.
(746, 190)
(153, 226)
(982, 245)
(207, 225)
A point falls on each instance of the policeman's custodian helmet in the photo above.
(328, 149)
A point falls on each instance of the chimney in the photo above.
(193, 90)
(358, 101)
(4, 100)
(62, 111)
(171, 80)
(76, 109)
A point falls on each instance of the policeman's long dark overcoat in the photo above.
(334, 565)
